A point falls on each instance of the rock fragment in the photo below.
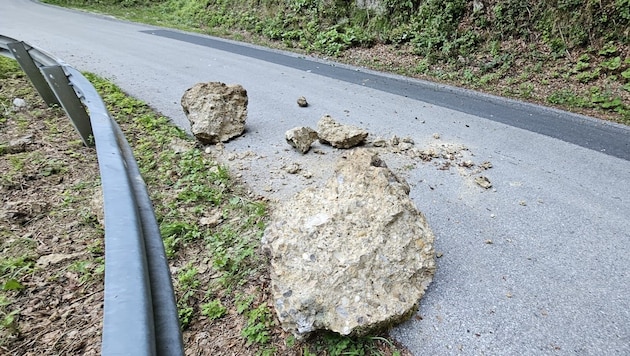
(483, 182)
(17, 145)
(293, 168)
(19, 104)
(301, 138)
(379, 142)
(351, 257)
(338, 135)
(217, 112)
(301, 101)
(54, 258)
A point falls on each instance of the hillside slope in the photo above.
(571, 54)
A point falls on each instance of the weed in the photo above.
(89, 271)
(187, 285)
(568, 98)
(259, 320)
(171, 245)
(185, 314)
(586, 77)
(9, 68)
(582, 63)
(96, 248)
(609, 50)
(12, 268)
(243, 301)
(213, 309)
(335, 344)
(12, 284)
(611, 64)
(8, 323)
(526, 90)
(187, 278)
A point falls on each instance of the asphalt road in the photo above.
(555, 278)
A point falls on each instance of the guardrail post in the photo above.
(60, 85)
(21, 55)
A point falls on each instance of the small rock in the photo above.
(211, 221)
(19, 104)
(486, 165)
(293, 168)
(394, 141)
(407, 140)
(405, 146)
(483, 182)
(467, 164)
(97, 204)
(436, 136)
(55, 258)
(337, 135)
(301, 138)
(302, 102)
(180, 146)
(379, 142)
(19, 144)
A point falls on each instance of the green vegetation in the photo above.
(213, 309)
(484, 45)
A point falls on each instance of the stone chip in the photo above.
(338, 135)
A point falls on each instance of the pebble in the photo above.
(19, 103)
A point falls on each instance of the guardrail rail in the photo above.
(140, 312)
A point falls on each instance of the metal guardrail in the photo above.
(140, 313)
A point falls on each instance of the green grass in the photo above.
(12, 271)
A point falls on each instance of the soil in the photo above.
(532, 76)
(50, 238)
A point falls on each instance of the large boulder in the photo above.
(352, 257)
(338, 135)
(217, 112)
